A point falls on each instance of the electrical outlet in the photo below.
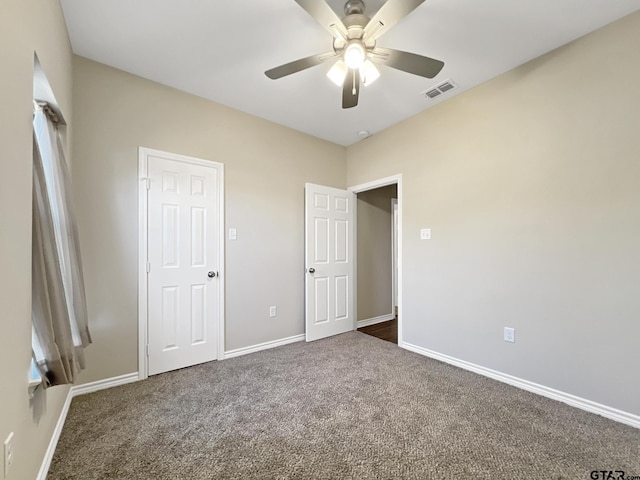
(509, 334)
(273, 311)
(8, 455)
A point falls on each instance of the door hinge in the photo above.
(148, 267)
(147, 182)
(147, 349)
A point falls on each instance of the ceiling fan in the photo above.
(354, 46)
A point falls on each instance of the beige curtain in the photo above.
(59, 313)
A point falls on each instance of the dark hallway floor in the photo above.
(384, 330)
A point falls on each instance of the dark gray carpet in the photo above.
(348, 407)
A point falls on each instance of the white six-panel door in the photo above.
(184, 286)
(329, 245)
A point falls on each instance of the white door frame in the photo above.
(143, 246)
(363, 187)
(394, 253)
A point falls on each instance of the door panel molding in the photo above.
(196, 187)
(329, 247)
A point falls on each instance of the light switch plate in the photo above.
(509, 335)
(425, 234)
(233, 234)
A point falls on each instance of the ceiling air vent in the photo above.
(445, 87)
(433, 93)
(439, 89)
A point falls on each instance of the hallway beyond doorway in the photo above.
(384, 330)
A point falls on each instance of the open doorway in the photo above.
(377, 258)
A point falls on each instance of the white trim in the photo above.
(581, 403)
(382, 182)
(48, 454)
(98, 385)
(394, 254)
(354, 255)
(263, 346)
(372, 321)
(143, 209)
(73, 392)
(573, 400)
(363, 187)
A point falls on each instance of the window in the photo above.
(59, 316)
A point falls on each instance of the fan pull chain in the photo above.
(353, 89)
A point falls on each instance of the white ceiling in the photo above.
(219, 50)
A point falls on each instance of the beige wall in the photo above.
(531, 184)
(266, 166)
(26, 26)
(374, 250)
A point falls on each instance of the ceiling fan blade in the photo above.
(407, 62)
(322, 12)
(351, 89)
(299, 65)
(389, 14)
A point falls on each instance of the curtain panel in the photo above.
(59, 312)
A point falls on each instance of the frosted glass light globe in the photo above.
(338, 73)
(354, 55)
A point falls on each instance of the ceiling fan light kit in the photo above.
(338, 72)
(369, 73)
(354, 54)
(354, 46)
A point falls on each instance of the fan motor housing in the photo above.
(354, 7)
(355, 21)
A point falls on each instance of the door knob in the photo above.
(211, 274)
(312, 270)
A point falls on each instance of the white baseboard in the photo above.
(578, 402)
(48, 455)
(74, 391)
(372, 321)
(262, 346)
(103, 384)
